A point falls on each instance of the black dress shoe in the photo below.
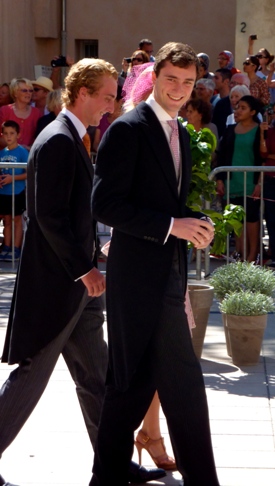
(139, 474)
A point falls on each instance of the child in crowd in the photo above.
(12, 153)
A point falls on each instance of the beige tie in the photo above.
(87, 143)
(174, 143)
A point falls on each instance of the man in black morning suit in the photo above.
(139, 191)
(56, 303)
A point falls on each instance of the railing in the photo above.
(228, 169)
(105, 231)
(12, 166)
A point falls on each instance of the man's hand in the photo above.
(197, 231)
(95, 282)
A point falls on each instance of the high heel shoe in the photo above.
(153, 447)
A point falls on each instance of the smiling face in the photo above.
(99, 103)
(173, 87)
(24, 93)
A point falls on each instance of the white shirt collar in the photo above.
(81, 129)
(161, 114)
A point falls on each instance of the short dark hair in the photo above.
(144, 41)
(181, 55)
(203, 108)
(225, 73)
(12, 124)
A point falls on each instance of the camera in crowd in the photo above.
(128, 59)
(59, 62)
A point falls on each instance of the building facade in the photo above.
(34, 31)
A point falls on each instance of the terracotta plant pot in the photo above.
(246, 337)
(201, 297)
(227, 337)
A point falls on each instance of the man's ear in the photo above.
(154, 77)
(82, 92)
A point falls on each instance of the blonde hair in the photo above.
(88, 73)
(14, 85)
(53, 99)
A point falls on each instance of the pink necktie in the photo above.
(174, 143)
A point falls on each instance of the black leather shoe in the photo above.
(139, 474)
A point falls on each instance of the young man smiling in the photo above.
(150, 347)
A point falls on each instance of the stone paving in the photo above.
(53, 448)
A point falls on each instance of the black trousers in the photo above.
(85, 352)
(170, 366)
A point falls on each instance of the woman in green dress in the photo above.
(240, 146)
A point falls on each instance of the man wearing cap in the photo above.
(41, 87)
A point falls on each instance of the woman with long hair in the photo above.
(258, 87)
(240, 146)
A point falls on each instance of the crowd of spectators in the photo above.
(32, 104)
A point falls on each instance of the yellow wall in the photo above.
(259, 18)
(31, 29)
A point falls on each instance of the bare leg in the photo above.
(150, 424)
(240, 244)
(149, 438)
(252, 231)
(7, 231)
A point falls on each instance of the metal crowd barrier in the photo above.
(228, 170)
(105, 230)
(13, 166)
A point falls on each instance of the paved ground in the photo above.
(53, 448)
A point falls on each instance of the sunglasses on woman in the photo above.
(260, 56)
(138, 59)
(248, 63)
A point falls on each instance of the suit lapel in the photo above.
(79, 144)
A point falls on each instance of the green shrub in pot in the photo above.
(242, 276)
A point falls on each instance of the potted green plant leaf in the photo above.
(245, 317)
(240, 276)
(203, 144)
(236, 279)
